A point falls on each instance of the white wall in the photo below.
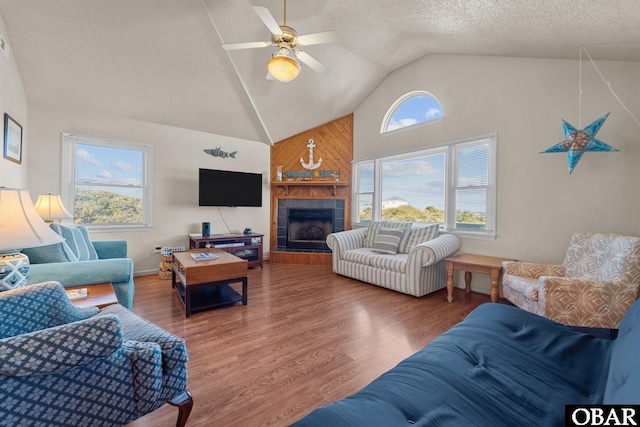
(13, 101)
(177, 155)
(539, 204)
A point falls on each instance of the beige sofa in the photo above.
(416, 269)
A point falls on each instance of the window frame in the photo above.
(451, 172)
(408, 155)
(401, 100)
(358, 192)
(69, 173)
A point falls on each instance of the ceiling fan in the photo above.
(284, 64)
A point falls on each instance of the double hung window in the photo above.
(363, 190)
(453, 185)
(106, 183)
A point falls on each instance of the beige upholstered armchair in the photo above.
(594, 287)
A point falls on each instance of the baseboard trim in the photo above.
(145, 272)
(308, 258)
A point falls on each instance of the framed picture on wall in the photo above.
(12, 140)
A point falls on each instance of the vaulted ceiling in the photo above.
(161, 60)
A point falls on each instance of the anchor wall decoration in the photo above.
(311, 165)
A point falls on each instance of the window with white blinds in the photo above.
(452, 184)
(363, 190)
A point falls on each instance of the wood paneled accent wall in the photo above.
(334, 144)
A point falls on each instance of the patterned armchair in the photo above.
(594, 287)
(65, 366)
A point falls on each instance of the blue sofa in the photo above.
(501, 366)
(79, 261)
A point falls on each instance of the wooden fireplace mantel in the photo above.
(327, 184)
(333, 144)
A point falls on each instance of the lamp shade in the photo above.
(283, 65)
(50, 207)
(20, 224)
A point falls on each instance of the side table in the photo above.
(100, 295)
(471, 263)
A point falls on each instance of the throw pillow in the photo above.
(374, 226)
(58, 252)
(387, 240)
(419, 235)
(78, 240)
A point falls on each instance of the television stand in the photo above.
(245, 246)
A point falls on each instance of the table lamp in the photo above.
(20, 227)
(50, 208)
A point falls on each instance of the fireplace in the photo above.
(304, 224)
(309, 228)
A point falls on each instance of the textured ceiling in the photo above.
(162, 61)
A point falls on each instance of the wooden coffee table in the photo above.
(202, 285)
(480, 264)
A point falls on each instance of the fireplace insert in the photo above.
(307, 229)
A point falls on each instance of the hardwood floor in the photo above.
(306, 338)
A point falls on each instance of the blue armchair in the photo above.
(79, 261)
(62, 366)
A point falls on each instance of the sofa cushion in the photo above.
(367, 257)
(624, 376)
(387, 240)
(360, 256)
(419, 235)
(59, 252)
(396, 262)
(78, 240)
(374, 226)
(135, 328)
(501, 366)
(36, 307)
(523, 285)
(596, 256)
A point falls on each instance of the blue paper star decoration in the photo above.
(577, 142)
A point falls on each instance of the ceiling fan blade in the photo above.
(268, 19)
(311, 62)
(318, 38)
(248, 45)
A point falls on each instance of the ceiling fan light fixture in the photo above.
(283, 65)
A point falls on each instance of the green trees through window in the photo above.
(107, 182)
(428, 214)
(451, 184)
(106, 207)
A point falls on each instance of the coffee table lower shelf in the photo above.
(205, 296)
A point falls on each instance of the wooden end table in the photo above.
(202, 285)
(471, 263)
(100, 295)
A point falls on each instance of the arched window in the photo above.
(413, 109)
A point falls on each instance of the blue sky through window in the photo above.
(416, 109)
(110, 166)
(421, 181)
(366, 178)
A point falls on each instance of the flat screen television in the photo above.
(229, 188)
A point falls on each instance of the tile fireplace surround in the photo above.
(285, 204)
